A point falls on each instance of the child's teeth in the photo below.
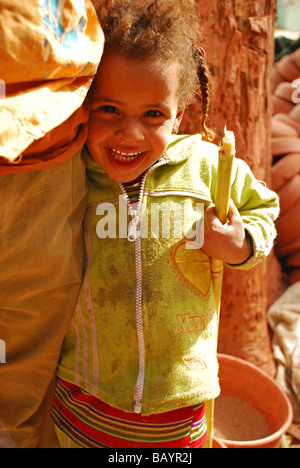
(124, 157)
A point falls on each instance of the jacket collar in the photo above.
(172, 155)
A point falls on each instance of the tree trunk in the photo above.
(240, 50)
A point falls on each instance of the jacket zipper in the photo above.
(134, 236)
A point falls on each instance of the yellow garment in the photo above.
(144, 334)
(49, 54)
(40, 275)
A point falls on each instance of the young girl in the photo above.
(139, 360)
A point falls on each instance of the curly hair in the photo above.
(164, 29)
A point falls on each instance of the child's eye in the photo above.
(153, 113)
(109, 109)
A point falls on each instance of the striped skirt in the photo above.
(84, 421)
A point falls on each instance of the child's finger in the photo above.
(210, 216)
(210, 211)
(233, 214)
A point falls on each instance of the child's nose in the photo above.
(130, 131)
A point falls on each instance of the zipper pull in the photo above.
(137, 407)
(133, 231)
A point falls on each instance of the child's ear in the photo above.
(179, 117)
(178, 120)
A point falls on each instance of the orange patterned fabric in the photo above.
(49, 54)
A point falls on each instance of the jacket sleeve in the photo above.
(259, 208)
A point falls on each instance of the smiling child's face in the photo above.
(134, 109)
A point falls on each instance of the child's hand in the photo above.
(228, 242)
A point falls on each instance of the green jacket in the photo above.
(144, 334)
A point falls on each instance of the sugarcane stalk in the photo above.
(225, 165)
(226, 158)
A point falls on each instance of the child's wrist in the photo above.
(246, 251)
